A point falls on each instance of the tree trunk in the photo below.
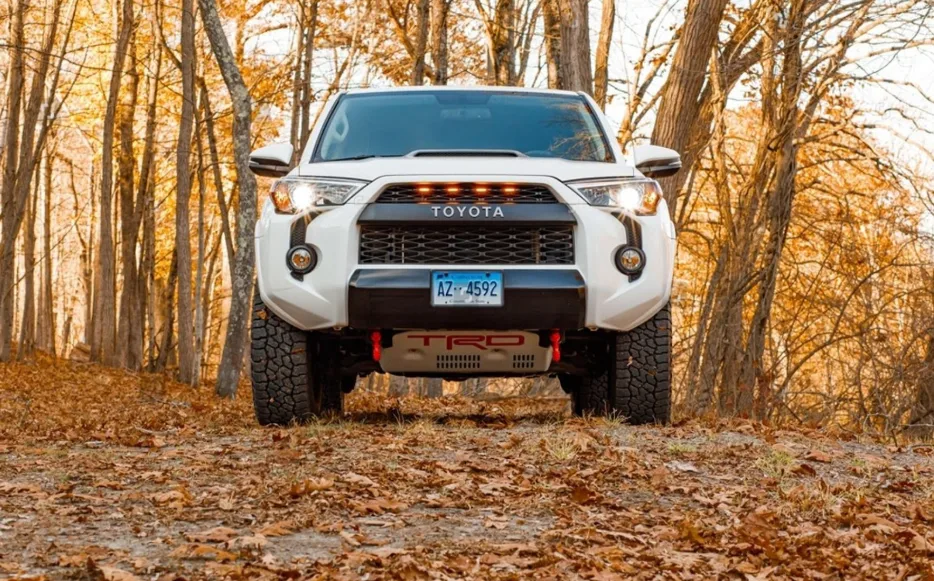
(421, 42)
(199, 265)
(575, 72)
(307, 64)
(296, 121)
(921, 421)
(146, 208)
(552, 24)
(228, 376)
(601, 74)
(103, 341)
(27, 330)
(439, 41)
(501, 43)
(129, 347)
(165, 348)
(46, 319)
(186, 342)
(15, 82)
(680, 95)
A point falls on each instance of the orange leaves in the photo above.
(308, 486)
(378, 506)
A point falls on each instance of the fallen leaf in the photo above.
(682, 466)
(247, 542)
(199, 551)
(215, 535)
(354, 478)
(818, 456)
(277, 529)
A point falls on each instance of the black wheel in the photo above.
(569, 383)
(296, 374)
(635, 380)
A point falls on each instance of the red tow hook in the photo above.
(555, 345)
(377, 338)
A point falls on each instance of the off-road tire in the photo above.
(634, 380)
(296, 374)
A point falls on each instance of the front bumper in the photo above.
(340, 292)
(401, 299)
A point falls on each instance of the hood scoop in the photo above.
(465, 153)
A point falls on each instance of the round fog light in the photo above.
(630, 260)
(301, 259)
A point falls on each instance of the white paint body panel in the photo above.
(320, 300)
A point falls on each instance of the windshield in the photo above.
(398, 123)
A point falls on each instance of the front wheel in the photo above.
(634, 379)
(296, 374)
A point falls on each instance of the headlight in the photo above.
(294, 195)
(638, 195)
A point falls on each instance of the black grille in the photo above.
(466, 193)
(481, 245)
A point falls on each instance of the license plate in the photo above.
(466, 289)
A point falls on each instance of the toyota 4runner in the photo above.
(458, 233)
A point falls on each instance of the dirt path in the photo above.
(134, 478)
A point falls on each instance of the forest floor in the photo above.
(115, 476)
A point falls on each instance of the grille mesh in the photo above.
(466, 193)
(550, 245)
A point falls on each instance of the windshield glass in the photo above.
(398, 123)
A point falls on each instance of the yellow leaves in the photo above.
(308, 486)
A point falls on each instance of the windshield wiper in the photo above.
(358, 157)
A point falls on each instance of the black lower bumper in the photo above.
(383, 298)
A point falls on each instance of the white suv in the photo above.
(457, 233)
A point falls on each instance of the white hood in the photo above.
(423, 167)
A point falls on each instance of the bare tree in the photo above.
(680, 95)
(601, 69)
(228, 375)
(574, 72)
(103, 341)
(187, 372)
(421, 42)
(439, 41)
(11, 154)
(129, 346)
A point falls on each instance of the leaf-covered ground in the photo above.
(113, 476)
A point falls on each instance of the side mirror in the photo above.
(272, 161)
(657, 162)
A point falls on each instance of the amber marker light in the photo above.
(481, 190)
(423, 190)
(281, 198)
(510, 190)
(452, 190)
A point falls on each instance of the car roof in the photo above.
(498, 89)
